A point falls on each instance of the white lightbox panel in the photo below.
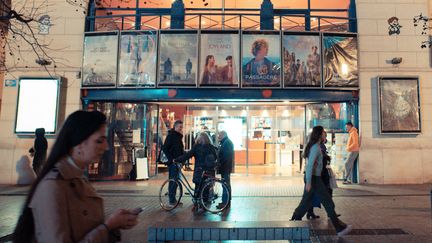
(37, 105)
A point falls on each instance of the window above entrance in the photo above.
(323, 15)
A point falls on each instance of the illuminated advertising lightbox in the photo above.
(37, 105)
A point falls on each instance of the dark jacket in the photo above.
(226, 156)
(199, 151)
(326, 160)
(173, 146)
(40, 146)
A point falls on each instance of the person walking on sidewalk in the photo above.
(62, 206)
(173, 148)
(314, 183)
(226, 160)
(353, 151)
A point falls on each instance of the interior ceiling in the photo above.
(341, 4)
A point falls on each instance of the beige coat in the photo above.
(66, 208)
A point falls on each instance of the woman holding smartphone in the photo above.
(62, 206)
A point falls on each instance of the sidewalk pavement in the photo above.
(378, 213)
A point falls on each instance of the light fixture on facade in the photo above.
(345, 69)
(265, 113)
(224, 113)
(168, 23)
(285, 113)
(204, 113)
(244, 113)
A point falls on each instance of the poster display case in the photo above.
(399, 105)
(100, 60)
(219, 59)
(340, 60)
(302, 64)
(138, 59)
(178, 58)
(261, 59)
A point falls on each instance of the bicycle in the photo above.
(209, 195)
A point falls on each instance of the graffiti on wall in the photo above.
(424, 22)
(394, 26)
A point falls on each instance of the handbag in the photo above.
(332, 178)
(163, 158)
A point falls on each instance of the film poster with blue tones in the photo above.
(340, 61)
(100, 60)
(219, 60)
(301, 60)
(261, 60)
(138, 53)
(178, 59)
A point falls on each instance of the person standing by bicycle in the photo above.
(226, 164)
(205, 159)
(173, 148)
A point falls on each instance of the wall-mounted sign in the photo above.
(38, 100)
(10, 83)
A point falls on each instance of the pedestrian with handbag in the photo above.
(314, 183)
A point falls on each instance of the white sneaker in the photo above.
(344, 231)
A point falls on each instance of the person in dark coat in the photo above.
(200, 150)
(173, 148)
(226, 161)
(40, 146)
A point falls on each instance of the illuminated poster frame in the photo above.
(340, 60)
(266, 73)
(219, 63)
(37, 98)
(138, 59)
(178, 58)
(100, 60)
(302, 61)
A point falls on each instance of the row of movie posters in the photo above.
(218, 60)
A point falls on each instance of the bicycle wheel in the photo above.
(211, 195)
(164, 198)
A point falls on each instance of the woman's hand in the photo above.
(308, 187)
(121, 219)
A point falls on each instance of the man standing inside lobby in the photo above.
(353, 151)
(226, 161)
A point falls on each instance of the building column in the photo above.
(177, 15)
(352, 15)
(266, 15)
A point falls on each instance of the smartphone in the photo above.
(136, 211)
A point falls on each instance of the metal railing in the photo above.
(108, 19)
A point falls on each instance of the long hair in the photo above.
(77, 128)
(203, 138)
(314, 138)
(208, 60)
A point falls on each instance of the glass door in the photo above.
(233, 120)
(290, 123)
(332, 116)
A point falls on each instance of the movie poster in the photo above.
(301, 60)
(340, 61)
(178, 58)
(399, 105)
(100, 60)
(219, 60)
(261, 60)
(138, 53)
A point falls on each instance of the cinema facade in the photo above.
(265, 72)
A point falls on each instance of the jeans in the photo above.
(349, 164)
(172, 187)
(227, 178)
(320, 189)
